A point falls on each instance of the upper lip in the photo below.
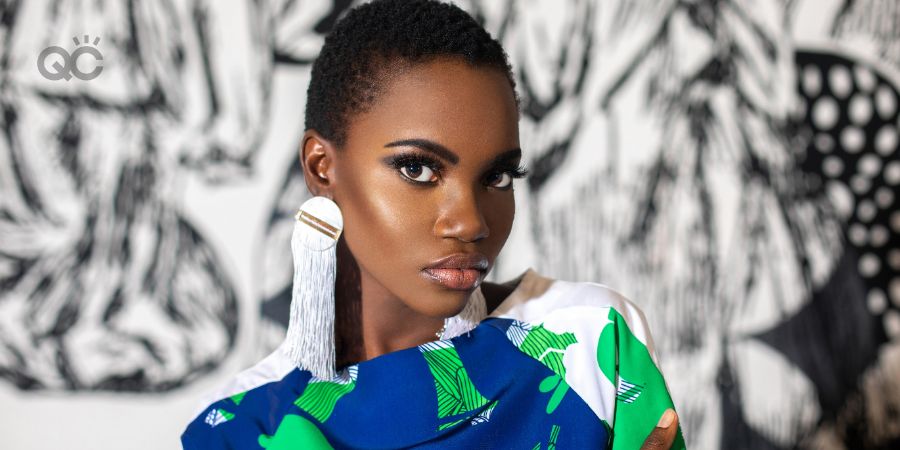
(475, 261)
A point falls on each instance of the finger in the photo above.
(662, 437)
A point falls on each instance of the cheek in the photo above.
(499, 215)
(382, 218)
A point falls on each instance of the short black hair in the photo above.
(350, 69)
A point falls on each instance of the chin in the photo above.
(443, 302)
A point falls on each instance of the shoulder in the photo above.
(573, 305)
(586, 324)
(273, 367)
(227, 410)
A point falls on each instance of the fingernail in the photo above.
(666, 419)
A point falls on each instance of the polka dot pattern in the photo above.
(853, 123)
(860, 109)
(825, 113)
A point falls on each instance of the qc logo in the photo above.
(69, 66)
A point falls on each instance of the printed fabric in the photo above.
(559, 365)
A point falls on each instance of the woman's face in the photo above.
(425, 174)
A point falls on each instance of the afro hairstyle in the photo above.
(360, 51)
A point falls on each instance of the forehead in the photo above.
(447, 100)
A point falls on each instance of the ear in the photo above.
(317, 160)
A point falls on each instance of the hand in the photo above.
(662, 437)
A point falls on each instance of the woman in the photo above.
(411, 149)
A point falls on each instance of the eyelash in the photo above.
(404, 160)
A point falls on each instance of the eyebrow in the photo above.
(447, 154)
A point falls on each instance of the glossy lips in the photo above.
(460, 271)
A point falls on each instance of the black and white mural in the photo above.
(730, 165)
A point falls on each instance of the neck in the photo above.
(388, 324)
(369, 320)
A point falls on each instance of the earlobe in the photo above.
(316, 161)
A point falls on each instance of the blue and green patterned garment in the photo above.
(586, 377)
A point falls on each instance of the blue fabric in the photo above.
(394, 404)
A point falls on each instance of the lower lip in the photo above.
(459, 279)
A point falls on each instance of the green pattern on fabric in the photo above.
(554, 435)
(295, 432)
(456, 394)
(450, 424)
(548, 347)
(320, 397)
(641, 396)
(606, 358)
(551, 443)
(236, 398)
(217, 416)
(227, 415)
(558, 386)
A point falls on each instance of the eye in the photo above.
(418, 172)
(501, 180)
(416, 168)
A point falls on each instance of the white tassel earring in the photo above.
(310, 335)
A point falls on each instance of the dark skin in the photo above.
(400, 215)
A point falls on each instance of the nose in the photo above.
(462, 218)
